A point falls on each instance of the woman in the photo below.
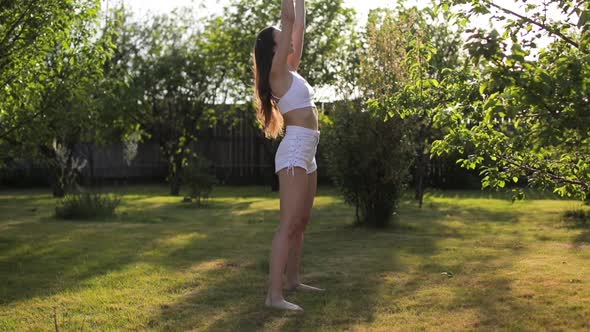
(284, 97)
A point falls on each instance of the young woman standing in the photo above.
(285, 98)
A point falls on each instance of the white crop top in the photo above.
(300, 95)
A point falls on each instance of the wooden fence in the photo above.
(239, 155)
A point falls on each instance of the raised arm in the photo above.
(298, 31)
(279, 63)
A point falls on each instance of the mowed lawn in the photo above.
(466, 261)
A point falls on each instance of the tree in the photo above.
(29, 33)
(408, 74)
(412, 67)
(50, 67)
(171, 86)
(533, 120)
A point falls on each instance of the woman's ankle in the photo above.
(271, 298)
(293, 282)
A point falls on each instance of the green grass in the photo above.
(161, 265)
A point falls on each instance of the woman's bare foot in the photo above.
(282, 304)
(304, 288)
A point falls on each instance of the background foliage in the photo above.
(532, 122)
(515, 110)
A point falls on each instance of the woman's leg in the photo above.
(294, 260)
(293, 189)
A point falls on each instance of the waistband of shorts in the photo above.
(301, 130)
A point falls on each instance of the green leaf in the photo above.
(584, 18)
(482, 88)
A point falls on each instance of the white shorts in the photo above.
(298, 149)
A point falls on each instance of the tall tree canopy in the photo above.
(50, 67)
(533, 121)
(411, 70)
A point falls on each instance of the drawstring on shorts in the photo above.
(294, 151)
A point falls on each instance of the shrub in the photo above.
(199, 179)
(368, 159)
(85, 206)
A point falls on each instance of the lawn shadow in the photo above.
(41, 256)
(472, 214)
(349, 261)
(580, 223)
(43, 262)
(505, 195)
(583, 238)
(488, 290)
(476, 281)
(181, 212)
(481, 279)
(230, 262)
(352, 292)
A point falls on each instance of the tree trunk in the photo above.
(175, 186)
(57, 188)
(421, 173)
(90, 155)
(175, 175)
(422, 163)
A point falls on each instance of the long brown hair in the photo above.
(266, 110)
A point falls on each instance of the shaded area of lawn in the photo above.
(462, 262)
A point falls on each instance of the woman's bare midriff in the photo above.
(303, 117)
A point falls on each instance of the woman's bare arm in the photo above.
(298, 32)
(279, 63)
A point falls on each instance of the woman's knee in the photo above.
(292, 226)
(304, 222)
(299, 227)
